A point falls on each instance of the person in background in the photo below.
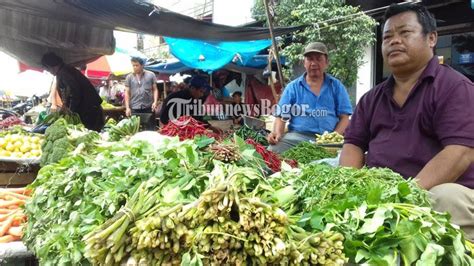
(76, 92)
(237, 108)
(107, 91)
(141, 92)
(176, 104)
(420, 121)
(312, 104)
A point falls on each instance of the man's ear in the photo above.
(433, 39)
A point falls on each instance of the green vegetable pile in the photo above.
(124, 128)
(246, 132)
(378, 234)
(380, 214)
(204, 202)
(306, 152)
(229, 223)
(61, 138)
(71, 118)
(82, 191)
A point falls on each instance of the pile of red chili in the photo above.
(10, 121)
(186, 127)
(272, 159)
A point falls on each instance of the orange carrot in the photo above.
(5, 211)
(4, 217)
(10, 195)
(6, 225)
(16, 231)
(20, 190)
(8, 204)
(7, 239)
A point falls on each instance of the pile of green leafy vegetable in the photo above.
(62, 137)
(323, 188)
(126, 127)
(306, 152)
(381, 234)
(246, 132)
(83, 190)
(381, 215)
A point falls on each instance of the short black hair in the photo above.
(425, 18)
(138, 60)
(238, 93)
(51, 59)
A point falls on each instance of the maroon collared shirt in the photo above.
(439, 111)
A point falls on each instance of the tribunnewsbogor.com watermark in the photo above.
(193, 107)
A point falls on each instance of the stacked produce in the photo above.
(125, 128)
(230, 223)
(186, 127)
(380, 214)
(272, 159)
(10, 121)
(205, 202)
(306, 152)
(246, 132)
(225, 152)
(62, 138)
(12, 217)
(329, 138)
(83, 190)
(71, 118)
(20, 144)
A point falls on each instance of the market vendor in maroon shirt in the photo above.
(420, 121)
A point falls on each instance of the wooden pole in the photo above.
(165, 87)
(270, 80)
(274, 44)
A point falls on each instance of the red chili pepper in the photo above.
(188, 130)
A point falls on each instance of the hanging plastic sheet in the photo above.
(210, 56)
(82, 30)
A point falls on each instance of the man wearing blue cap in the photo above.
(187, 102)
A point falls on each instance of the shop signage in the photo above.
(467, 58)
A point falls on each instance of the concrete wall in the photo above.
(365, 74)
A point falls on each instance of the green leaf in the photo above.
(186, 259)
(374, 195)
(430, 255)
(403, 189)
(362, 255)
(372, 225)
(316, 222)
(409, 252)
(203, 141)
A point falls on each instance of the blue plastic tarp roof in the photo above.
(174, 66)
(210, 56)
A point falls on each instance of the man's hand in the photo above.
(273, 138)
(154, 106)
(128, 112)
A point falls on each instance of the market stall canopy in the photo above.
(27, 84)
(173, 66)
(82, 30)
(117, 64)
(209, 56)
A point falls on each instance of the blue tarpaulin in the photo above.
(209, 56)
(174, 66)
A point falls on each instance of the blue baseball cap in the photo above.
(199, 82)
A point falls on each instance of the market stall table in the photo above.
(116, 113)
(17, 173)
(16, 254)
